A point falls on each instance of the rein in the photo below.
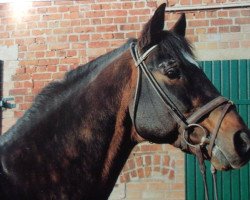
(185, 124)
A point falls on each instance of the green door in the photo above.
(232, 78)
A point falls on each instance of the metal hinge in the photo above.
(4, 103)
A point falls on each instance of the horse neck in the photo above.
(93, 129)
(117, 82)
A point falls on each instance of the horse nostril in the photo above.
(242, 143)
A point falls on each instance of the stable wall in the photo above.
(48, 39)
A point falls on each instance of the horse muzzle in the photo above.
(231, 152)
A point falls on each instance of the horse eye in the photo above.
(173, 73)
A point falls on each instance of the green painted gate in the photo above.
(232, 78)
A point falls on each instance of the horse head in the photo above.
(176, 103)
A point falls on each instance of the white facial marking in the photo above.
(190, 59)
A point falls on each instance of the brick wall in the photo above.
(55, 36)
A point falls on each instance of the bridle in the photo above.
(185, 124)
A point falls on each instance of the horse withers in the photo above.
(74, 140)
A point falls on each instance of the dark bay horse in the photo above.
(74, 140)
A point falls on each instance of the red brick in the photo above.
(63, 68)
(100, 6)
(47, 62)
(133, 19)
(166, 160)
(72, 15)
(224, 29)
(18, 91)
(71, 53)
(30, 69)
(200, 15)
(39, 84)
(39, 54)
(52, 17)
(62, 38)
(78, 46)
(216, 22)
(52, 68)
(133, 174)
(51, 10)
(59, 46)
(70, 61)
(85, 29)
(196, 23)
(147, 171)
(235, 28)
(28, 98)
(116, 13)
(18, 99)
(94, 14)
(143, 19)
(41, 69)
(97, 36)
(171, 174)
(129, 27)
(24, 106)
(212, 30)
(65, 23)
(108, 28)
(139, 4)
(28, 84)
(242, 21)
(74, 9)
(148, 160)
(37, 47)
(4, 35)
(96, 21)
(119, 20)
(157, 159)
(139, 162)
(139, 12)
(75, 22)
(164, 171)
(21, 33)
(42, 76)
(211, 14)
(10, 42)
(127, 5)
(62, 31)
(84, 37)
(223, 13)
(140, 173)
(50, 54)
(245, 12)
(63, 9)
(58, 75)
(115, 6)
(21, 77)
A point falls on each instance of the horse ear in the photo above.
(180, 26)
(150, 32)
